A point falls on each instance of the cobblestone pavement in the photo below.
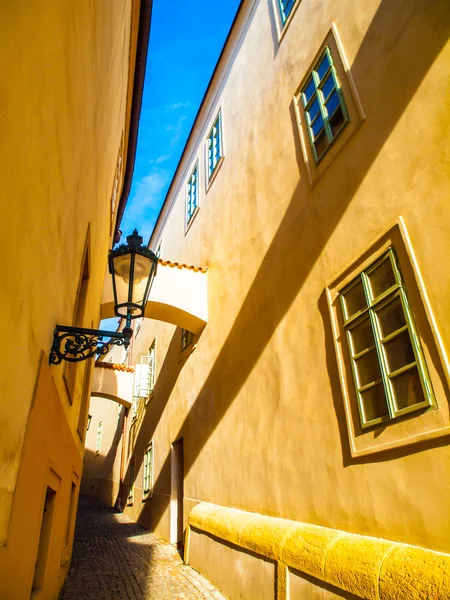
(116, 559)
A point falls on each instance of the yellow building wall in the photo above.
(101, 471)
(67, 73)
(257, 397)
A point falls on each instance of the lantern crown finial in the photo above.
(135, 240)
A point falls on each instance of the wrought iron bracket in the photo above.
(75, 344)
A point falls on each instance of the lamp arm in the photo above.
(75, 344)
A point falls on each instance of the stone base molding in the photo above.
(366, 567)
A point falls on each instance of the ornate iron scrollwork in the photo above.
(75, 344)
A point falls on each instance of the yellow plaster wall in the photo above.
(257, 397)
(67, 71)
(258, 402)
(101, 472)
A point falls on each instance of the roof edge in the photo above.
(197, 116)
(136, 105)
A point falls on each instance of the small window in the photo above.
(186, 338)
(98, 439)
(389, 370)
(144, 378)
(214, 143)
(192, 195)
(147, 484)
(323, 104)
(286, 7)
(130, 498)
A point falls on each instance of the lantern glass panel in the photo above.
(142, 269)
(122, 268)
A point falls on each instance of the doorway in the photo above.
(44, 540)
(177, 495)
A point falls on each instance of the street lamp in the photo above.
(133, 268)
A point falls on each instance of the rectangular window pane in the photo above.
(323, 66)
(317, 126)
(328, 86)
(399, 351)
(391, 317)
(321, 143)
(332, 103)
(407, 389)
(336, 121)
(368, 368)
(308, 91)
(381, 278)
(313, 110)
(362, 336)
(355, 299)
(373, 401)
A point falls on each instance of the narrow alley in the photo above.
(117, 559)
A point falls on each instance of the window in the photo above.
(130, 483)
(186, 338)
(98, 439)
(214, 143)
(144, 377)
(147, 486)
(323, 104)
(192, 195)
(389, 370)
(286, 7)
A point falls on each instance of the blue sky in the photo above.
(185, 42)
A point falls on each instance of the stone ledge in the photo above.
(365, 566)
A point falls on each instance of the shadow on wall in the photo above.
(384, 61)
(98, 470)
(145, 427)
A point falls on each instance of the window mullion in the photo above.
(420, 359)
(378, 345)
(319, 95)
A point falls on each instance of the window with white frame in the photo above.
(192, 195)
(98, 439)
(215, 146)
(144, 377)
(147, 484)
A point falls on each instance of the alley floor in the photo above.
(116, 559)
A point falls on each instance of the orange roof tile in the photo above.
(168, 263)
(114, 366)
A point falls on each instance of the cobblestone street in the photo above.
(116, 559)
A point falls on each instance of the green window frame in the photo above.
(389, 370)
(215, 150)
(324, 105)
(285, 7)
(147, 483)
(192, 194)
(186, 338)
